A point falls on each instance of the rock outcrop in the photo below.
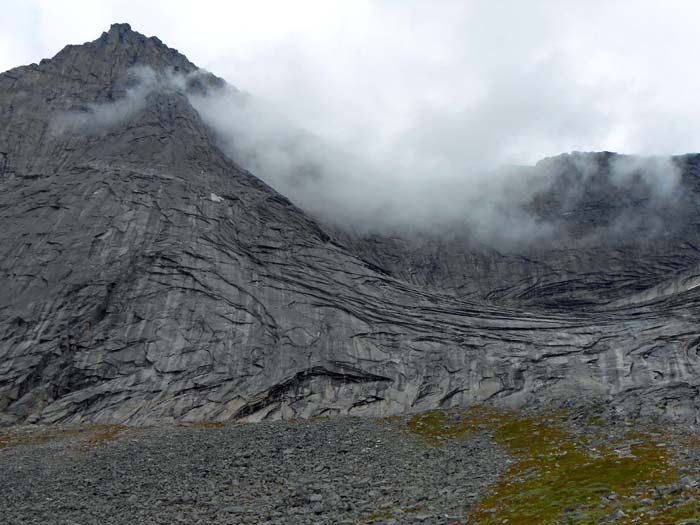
(145, 276)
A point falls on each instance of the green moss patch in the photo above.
(559, 477)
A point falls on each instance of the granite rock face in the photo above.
(145, 276)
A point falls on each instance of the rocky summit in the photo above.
(147, 277)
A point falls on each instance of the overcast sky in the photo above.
(437, 83)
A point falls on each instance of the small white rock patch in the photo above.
(216, 198)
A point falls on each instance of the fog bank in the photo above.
(392, 191)
(387, 190)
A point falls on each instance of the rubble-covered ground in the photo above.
(477, 465)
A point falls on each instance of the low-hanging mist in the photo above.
(387, 191)
(390, 191)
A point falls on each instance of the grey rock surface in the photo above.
(145, 276)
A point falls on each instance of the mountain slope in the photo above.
(145, 276)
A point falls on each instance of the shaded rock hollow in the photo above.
(146, 276)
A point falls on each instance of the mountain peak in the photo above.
(120, 28)
(123, 34)
(115, 51)
(82, 77)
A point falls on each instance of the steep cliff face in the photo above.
(145, 276)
